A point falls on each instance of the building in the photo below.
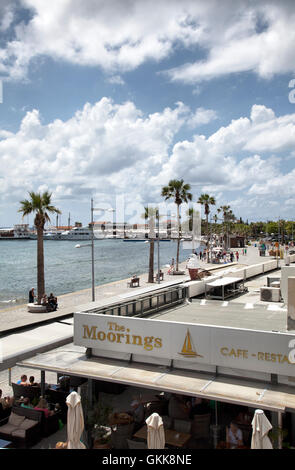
(235, 354)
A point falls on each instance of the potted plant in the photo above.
(101, 437)
(98, 421)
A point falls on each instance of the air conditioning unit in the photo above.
(270, 294)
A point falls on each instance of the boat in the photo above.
(17, 232)
(77, 233)
(146, 240)
(135, 240)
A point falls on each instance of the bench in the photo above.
(156, 277)
(134, 282)
(35, 308)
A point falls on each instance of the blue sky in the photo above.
(112, 99)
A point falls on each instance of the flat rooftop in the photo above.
(243, 311)
(229, 314)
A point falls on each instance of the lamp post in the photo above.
(158, 215)
(92, 246)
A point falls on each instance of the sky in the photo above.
(110, 99)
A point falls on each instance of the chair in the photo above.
(136, 444)
(182, 425)
(201, 426)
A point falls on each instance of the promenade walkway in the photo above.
(13, 318)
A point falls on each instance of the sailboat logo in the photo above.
(187, 348)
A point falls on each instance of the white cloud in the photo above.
(116, 80)
(120, 36)
(103, 145)
(238, 44)
(115, 149)
(202, 116)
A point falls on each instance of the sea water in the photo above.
(68, 269)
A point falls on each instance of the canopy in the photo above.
(224, 281)
(71, 360)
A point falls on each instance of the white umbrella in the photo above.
(261, 426)
(75, 421)
(155, 432)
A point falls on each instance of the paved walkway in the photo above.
(18, 317)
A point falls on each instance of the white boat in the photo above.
(77, 233)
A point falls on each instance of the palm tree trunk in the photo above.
(207, 230)
(40, 264)
(151, 262)
(178, 238)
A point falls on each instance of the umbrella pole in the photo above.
(280, 426)
(216, 413)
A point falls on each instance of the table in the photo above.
(4, 444)
(172, 437)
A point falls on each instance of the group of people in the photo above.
(24, 381)
(41, 406)
(26, 403)
(49, 302)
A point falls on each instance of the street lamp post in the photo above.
(158, 215)
(92, 251)
(158, 247)
(92, 245)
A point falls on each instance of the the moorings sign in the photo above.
(254, 350)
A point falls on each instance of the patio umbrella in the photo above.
(261, 426)
(155, 432)
(75, 421)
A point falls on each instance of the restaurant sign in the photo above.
(254, 350)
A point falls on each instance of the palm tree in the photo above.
(228, 216)
(179, 191)
(150, 213)
(40, 204)
(207, 201)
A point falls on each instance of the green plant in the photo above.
(98, 421)
(101, 433)
(278, 433)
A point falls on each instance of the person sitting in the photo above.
(43, 406)
(6, 402)
(23, 380)
(31, 296)
(44, 300)
(52, 301)
(32, 382)
(234, 436)
(26, 403)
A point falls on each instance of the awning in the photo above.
(71, 360)
(224, 281)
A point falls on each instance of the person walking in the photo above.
(237, 255)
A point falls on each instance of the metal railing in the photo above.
(145, 304)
